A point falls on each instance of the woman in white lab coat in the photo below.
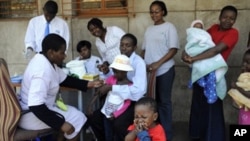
(40, 85)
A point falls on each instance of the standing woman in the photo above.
(159, 47)
(207, 120)
(107, 39)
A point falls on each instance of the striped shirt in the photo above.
(111, 47)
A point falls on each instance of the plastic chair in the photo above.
(10, 112)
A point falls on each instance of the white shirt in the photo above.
(91, 63)
(36, 29)
(40, 82)
(138, 77)
(111, 47)
(158, 40)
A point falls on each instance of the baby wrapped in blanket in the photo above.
(208, 73)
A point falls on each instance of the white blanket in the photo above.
(77, 67)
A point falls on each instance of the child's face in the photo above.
(144, 115)
(246, 63)
(85, 52)
(126, 46)
(120, 75)
(198, 25)
(227, 19)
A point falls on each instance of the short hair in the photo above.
(149, 101)
(53, 42)
(51, 7)
(229, 8)
(96, 22)
(82, 44)
(132, 37)
(162, 5)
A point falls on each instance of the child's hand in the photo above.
(144, 126)
(140, 126)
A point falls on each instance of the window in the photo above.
(90, 8)
(18, 8)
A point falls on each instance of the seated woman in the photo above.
(41, 82)
(134, 92)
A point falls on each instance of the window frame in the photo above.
(20, 11)
(77, 11)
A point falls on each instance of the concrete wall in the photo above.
(181, 14)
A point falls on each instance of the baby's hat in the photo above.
(122, 63)
(197, 21)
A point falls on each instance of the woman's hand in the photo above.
(67, 128)
(186, 58)
(153, 67)
(95, 83)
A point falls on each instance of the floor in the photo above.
(180, 130)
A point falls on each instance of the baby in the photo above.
(197, 24)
